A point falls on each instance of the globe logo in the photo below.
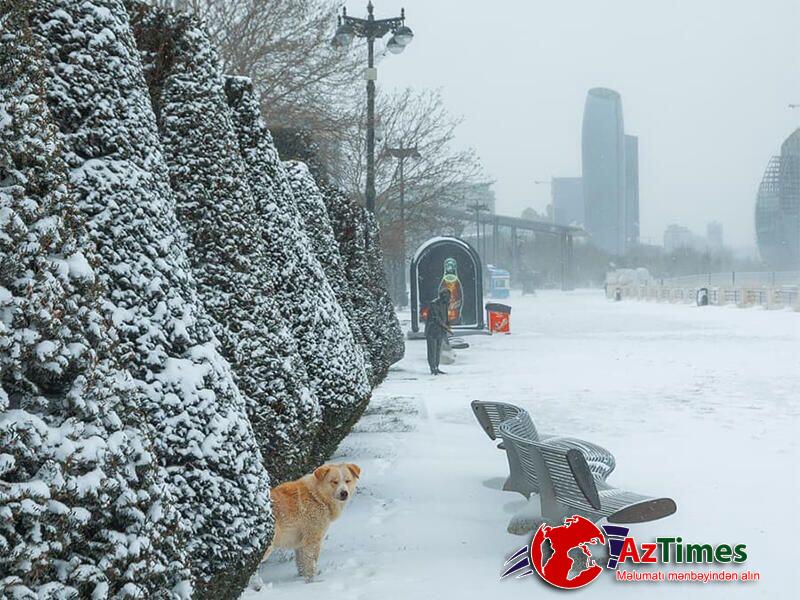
(576, 532)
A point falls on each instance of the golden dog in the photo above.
(305, 508)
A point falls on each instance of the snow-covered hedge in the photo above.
(100, 102)
(227, 242)
(311, 206)
(358, 236)
(83, 506)
(334, 363)
(176, 310)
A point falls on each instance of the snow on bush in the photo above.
(83, 508)
(358, 236)
(99, 100)
(228, 244)
(311, 206)
(334, 362)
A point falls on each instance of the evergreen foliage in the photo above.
(99, 100)
(83, 506)
(311, 207)
(334, 362)
(227, 243)
(358, 236)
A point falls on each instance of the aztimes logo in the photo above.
(551, 554)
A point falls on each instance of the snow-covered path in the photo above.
(700, 404)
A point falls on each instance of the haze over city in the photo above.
(704, 85)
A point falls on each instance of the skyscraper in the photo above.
(603, 154)
(568, 208)
(778, 208)
(631, 190)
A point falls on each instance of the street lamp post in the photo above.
(478, 208)
(372, 29)
(401, 154)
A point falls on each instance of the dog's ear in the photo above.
(320, 472)
(354, 469)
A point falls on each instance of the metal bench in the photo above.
(491, 414)
(567, 486)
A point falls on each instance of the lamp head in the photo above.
(403, 35)
(394, 46)
(344, 35)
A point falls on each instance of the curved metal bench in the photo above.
(567, 485)
(491, 414)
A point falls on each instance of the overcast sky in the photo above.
(705, 85)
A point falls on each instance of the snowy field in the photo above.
(699, 404)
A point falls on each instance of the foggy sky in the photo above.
(705, 85)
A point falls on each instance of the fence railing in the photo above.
(778, 289)
(735, 279)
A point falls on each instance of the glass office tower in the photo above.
(603, 154)
(631, 190)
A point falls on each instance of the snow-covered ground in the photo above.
(700, 404)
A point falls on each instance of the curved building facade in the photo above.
(778, 208)
(603, 158)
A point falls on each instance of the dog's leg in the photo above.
(309, 554)
(303, 569)
(255, 580)
(310, 558)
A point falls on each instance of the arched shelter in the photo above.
(447, 262)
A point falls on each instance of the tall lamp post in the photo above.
(401, 154)
(372, 29)
(478, 208)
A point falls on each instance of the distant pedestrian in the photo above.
(437, 327)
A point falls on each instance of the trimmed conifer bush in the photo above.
(100, 103)
(333, 360)
(311, 207)
(358, 236)
(83, 506)
(226, 240)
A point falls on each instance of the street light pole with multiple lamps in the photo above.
(372, 29)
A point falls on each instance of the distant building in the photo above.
(603, 158)
(568, 206)
(778, 208)
(631, 190)
(714, 236)
(677, 237)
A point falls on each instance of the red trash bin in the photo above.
(499, 317)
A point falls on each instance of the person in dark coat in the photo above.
(436, 329)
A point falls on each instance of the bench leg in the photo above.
(511, 485)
